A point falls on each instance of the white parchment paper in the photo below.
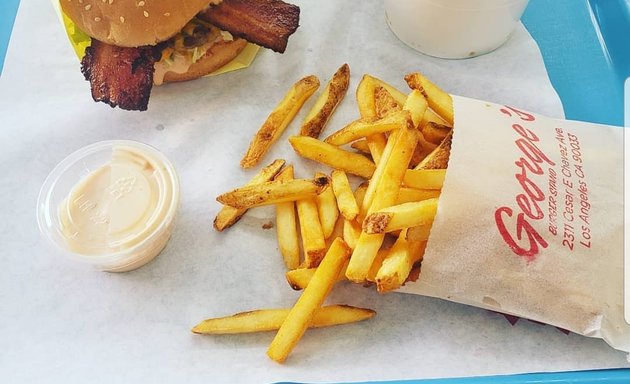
(62, 321)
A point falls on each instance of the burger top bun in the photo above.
(132, 23)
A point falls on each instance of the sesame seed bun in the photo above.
(132, 23)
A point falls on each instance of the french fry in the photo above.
(279, 119)
(313, 240)
(332, 156)
(263, 320)
(326, 104)
(365, 97)
(363, 256)
(396, 94)
(396, 156)
(273, 192)
(301, 315)
(398, 263)
(417, 105)
(359, 193)
(384, 102)
(376, 265)
(299, 278)
(423, 149)
(367, 127)
(432, 117)
(401, 216)
(439, 101)
(327, 209)
(345, 198)
(391, 170)
(438, 158)
(286, 226)
(367, 109)
(376, 144)
(227, 216)
(337, 232)
(435, 132)
(407, 195)
(361, 146)
(359, 196)
(424, 178)
(419, 233)
(351, 232)
(352, 228)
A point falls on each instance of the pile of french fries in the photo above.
(328, 231)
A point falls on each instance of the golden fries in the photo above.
(367, 109)
(263, 320)
(313, 240)
(407, 195)
(332, 156)
(376, 264)
(424, 178)
(337, 231)
(361, 146)
(273, 192)
(227, 216)
(345, 198)
(439, 101)
(316, 119)
(376, 234)
(401, 216)
(299, 278)
(286, 226)
(432, 117)
(376, 144)
(419, 233)
(390, 171)
(417, 105)
(351, 232)
(393, 91)
(435, 132)
(365, 97)
(391, 168)
(367, 127)
(384, 102)
(327, 209)
(438, 158)
(301, 315)
(279, 119)
(398, 263)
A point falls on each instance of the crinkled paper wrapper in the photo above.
(80, 41)
(530, 221)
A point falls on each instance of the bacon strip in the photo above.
(264, 22)
(119, 76)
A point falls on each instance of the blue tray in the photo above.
(585, 46)
(586, 49)
(608, 376)
(8, 9)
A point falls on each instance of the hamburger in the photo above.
(138, 43)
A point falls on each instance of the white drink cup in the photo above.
(454, 29)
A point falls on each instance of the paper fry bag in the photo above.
(530, 221)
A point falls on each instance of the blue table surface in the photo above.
(585, 46)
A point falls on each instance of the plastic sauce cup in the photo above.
(111, 204)
(454, 29)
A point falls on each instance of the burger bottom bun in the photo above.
(217, 56)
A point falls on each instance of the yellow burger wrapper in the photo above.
(80, 40)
